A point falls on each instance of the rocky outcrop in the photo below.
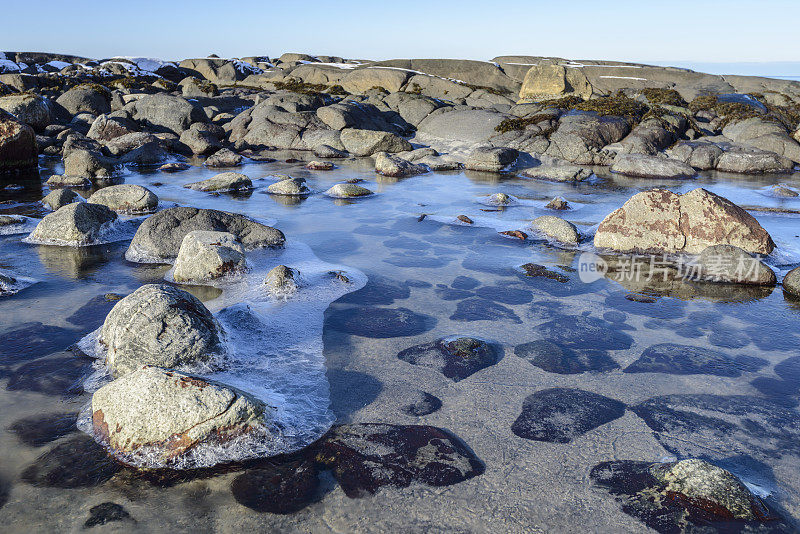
(663, 221)
(205, 255)
(159, 325)
(17, 145)
(159, 237)
(126, 198)
(765, 135)
(170, 413)
(77, 224)
(723, 155)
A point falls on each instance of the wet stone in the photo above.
(736, 424)
(668, 500)
(554, 358)
(448, 293)
(675, 359)
(107, 512)
(614, 316)
(33, 340)
(455, 358)
(378, 290)
(40, 430)
(559, 415)
(52, 376)
(464, 283)
(365, 457)
(76, 463)
(579, 332)
(421, 403)
(379, 322)
(505, 294)
(283, 488)
(417, 261)
(664, 308)
(728, 337)
(534, 270)
(478, 309)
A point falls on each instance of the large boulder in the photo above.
(206, 255)
(159, 238)
(202, 138)
(396, 167)
(31, 109)
(643, 166)
(126, 198)
(348, 191)
(355, 115)
(362, 80)
(662, 221)
(226, 181)
(552, 81)
(76, 224)
(106, 127)
(86, 98)
(581, 137)
(727, 264)
(59, 198)
(166, 113)
(159, 325)
(169, 413)
(368, 142)
(465, 126)
(219, 70)
(556, 228)
(765, 135)
(17, 144)
(491, 159)
(89, 164)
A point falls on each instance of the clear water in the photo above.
(410, 264)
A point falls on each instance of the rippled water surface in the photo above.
(434, 278)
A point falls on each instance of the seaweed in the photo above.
(669, 97)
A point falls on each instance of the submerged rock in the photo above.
(481, 309)
(662, 221)
(421, 403)
(78, 462)
(282, 488)
(678, 359)
(554, 358)
(126, 198)
(579, 332)
(223, 182)
(159, 238)
(159, 325)
(556, 228)
(559, 415)
(289, 186)
(379, 322)
(348, 191)
(558, 203)
(205, 255)
(59, 198)
(171, 412)
(77, 224)
(365, 457)
(455, 358)
(39, 430)
(104, 513)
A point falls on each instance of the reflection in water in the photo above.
(77, 262)
(288, 200)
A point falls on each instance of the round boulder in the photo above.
(556, 228)
(732, 265)
(159, 325)
(347, 191)
(126, 198)
(61, 197)
(76, 224)
(226, 181)
(206, 255)
(290, 187)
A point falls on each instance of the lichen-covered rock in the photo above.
(456, 358)
(159, 325)
(17, 144)
(556, 228)
(365, 457)
(126, 198)
(396, 167)
(732, 265)
(170, 412)
(644, 166)
(28, 108)
(106, 128)
(662, 221)
(347, 191)
(166, 113)
(290, 187)
(282, 280)
(206, 255)
(223, 182)
(59, 198)
(86, 98)
(159, 238)
(491, 159)
(77, 224)
(368, 142)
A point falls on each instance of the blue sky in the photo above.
(729, 31)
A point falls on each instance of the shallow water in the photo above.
(446, 278)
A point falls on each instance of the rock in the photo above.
(644, 166)
(290, 187)
(77, 224)
(469, 126)
(159, 237)
(440, 163)
(104, 513)
(421, 404)
(481, 309)
(191, 87)
(456, 358)
(39, 430)
(464, 219)
(218, 70)
(86, 98)
(368, 142)
(554, 358)
(367, 456)
(491, 159)
(28, 108)
(389, 165)
(723, 155)
(559, 415)
(17, 145)
(672, 358)
(223, 182)
(791, 282)
(582, 136)
(224, 158)
(379, 323)
(159, 325)
(549, 81)
(499, 199)
(78, 462)
(165, 113)
(88, 165)
(556, 228)
(206, 255)
(580, 332)
(558, 173)
(362, 80)
(59, 198)
(107, 127)
(168, 413)
(328, 152)
(765, 135)
(361, 115)
(174, 167)
(662, 221)
(126, 198)
(732, 265)
(282, 488)
(348, 191)
(558, 203)
(784, 192)
(282, 280)
(534, 270)
(202, 138)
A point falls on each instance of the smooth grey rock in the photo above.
(644, 166)
(207, 255)
(368, 142)
(163, 112)
(465, 126)
(76, 224)
(202, 138)
(86, 98)
(59, 198)
(224, 158)
(290, 187)
(159, 325)
(732, 265)
(791, 282)
(226, 181)
(106, 127)
(393, 166)
(491, 159)
(347, 191)
(556, 228)
(126, 198)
